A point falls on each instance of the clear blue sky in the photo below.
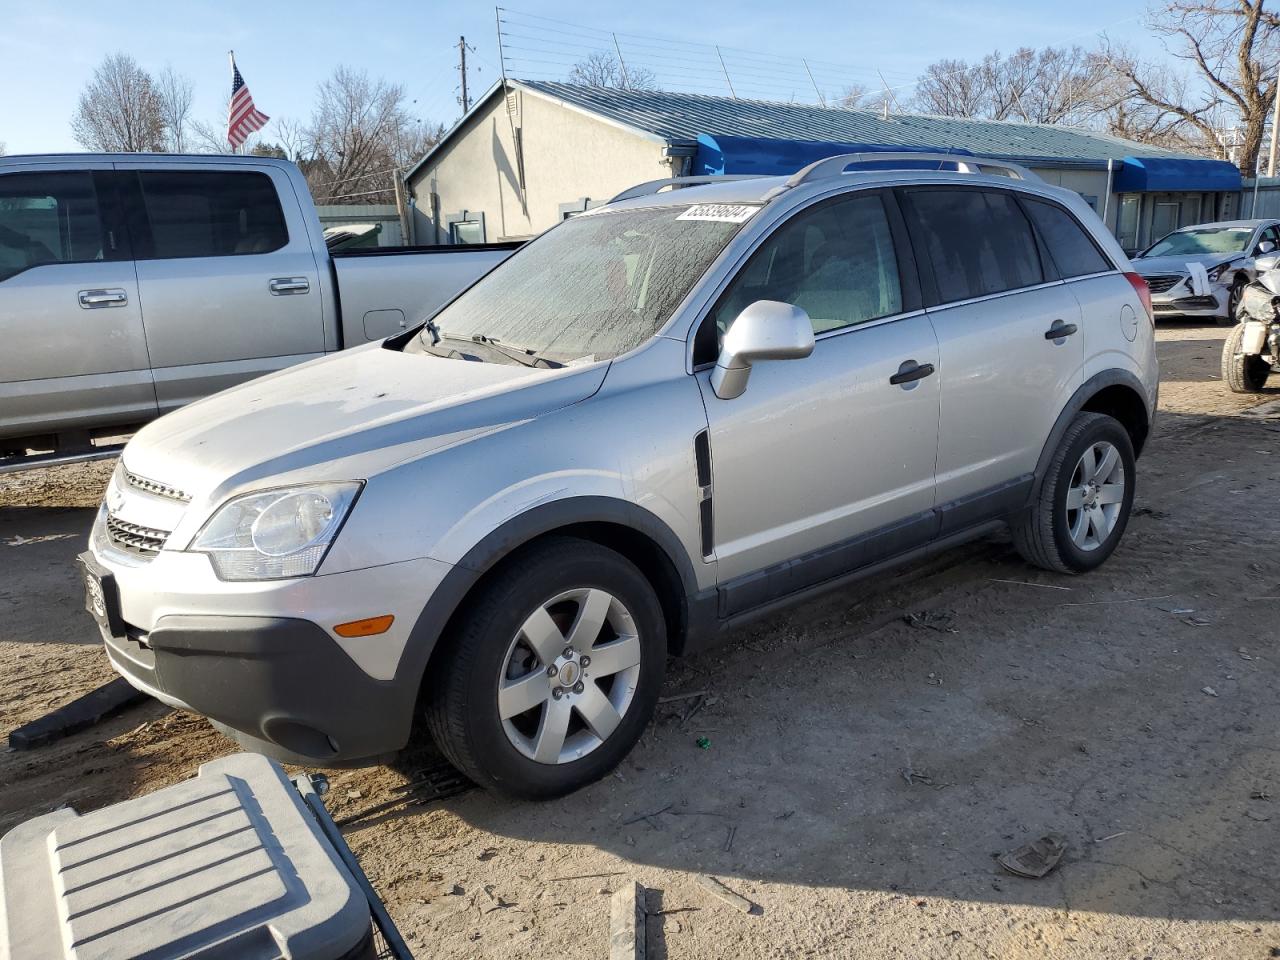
(48, 50)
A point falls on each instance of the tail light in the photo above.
(1143, 291)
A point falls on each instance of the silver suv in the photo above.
(661, 418)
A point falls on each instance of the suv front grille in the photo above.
(1163, 283)
(154, 487)
(137, 539)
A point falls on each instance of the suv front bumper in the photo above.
(277, 686)
(260, 659)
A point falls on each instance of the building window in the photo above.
(1127, 222)
(466, 227)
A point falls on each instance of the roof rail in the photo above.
(653, 186)
(835, 166)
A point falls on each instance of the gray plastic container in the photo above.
(227, 865)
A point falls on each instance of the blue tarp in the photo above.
(774, 156)
(1175, 174)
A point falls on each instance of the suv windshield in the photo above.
(592, 288)
(1194, 242)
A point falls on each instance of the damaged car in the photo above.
(1200, 271)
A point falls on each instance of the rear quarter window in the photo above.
(1072, 250)
(210, 214)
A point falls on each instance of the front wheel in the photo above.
(1242, 372)
(1085, 498)
(552, 673)
(1233, 302)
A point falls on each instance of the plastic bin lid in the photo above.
(228, 864)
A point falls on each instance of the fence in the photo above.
(382, 215)
(1260, 198)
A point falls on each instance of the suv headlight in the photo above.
(276, 533)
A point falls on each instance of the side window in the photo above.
(50, 218)
(1272, 234)
(979, 242)
(210, 214)
(835, 261)
(1072, 251)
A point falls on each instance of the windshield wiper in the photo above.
(525, 358)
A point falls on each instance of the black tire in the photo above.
(1240, 372)
(462, 708)
(1233, 302)
(1042, 533)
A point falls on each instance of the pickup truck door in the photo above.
(72, 351)
(227, 273)
(827, 463)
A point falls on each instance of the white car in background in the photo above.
(1199, 271)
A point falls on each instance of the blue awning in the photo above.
(771, 156)
(1175, 174)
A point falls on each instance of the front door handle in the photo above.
(94, 299)
(910, 371)
(1060, 331)
(282, 286)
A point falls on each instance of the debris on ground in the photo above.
(939, 620)
(704, 743)
(735, 900)
(1034, 860)
(626, 923)
(1209, 691)
(79, 714)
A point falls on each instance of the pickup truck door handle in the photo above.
(910, 371)
(94, 299)
(281, 286)
(1060, 331)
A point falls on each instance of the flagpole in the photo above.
(231, 56)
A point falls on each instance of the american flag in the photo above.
(242, 117)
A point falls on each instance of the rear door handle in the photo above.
(1060, 330)
(282, 286)
(94, 299)
(910, 371)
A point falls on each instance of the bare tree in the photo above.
(119, 110)
(1232, 47)
(603, 69)
(1054, 85)
(855, 96)
(174, 93)
(359, 133)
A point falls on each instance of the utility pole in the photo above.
(462, 71)
(1275, 121)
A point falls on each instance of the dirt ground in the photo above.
(862, 772)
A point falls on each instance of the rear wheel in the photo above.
(1085, 499)
(1242, 372)
(553, 672)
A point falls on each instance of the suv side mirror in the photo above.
(765, 330)
(1266, 246)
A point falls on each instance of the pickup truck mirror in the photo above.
(765, 330)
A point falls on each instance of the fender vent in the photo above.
(706, 513)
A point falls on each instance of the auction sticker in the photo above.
(720, 212)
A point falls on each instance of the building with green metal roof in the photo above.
(530, 153)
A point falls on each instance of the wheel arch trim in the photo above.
(1079, 401)
(518, 531)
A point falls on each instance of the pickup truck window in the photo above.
(49, 218)
(210, 214)
(592, 287)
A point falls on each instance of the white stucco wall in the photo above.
(567, 155)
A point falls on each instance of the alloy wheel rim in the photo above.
(1095, 495)
(569, 675)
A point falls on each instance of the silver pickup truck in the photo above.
(131, 284)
